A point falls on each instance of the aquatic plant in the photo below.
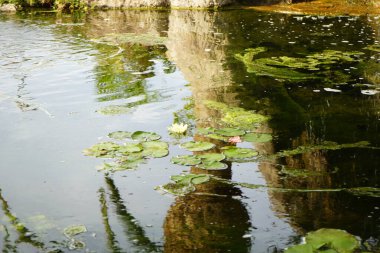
(129, 154)
(197, 145)
(234, 153)
(295, 69)
(327, 240)
(236, 117)
(209, 161)
(184, 184)
(176, 128)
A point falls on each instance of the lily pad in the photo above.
(156, 149)
(187, 160)
(103, 149)
(229, 132)
(212, 157)
(130, 148)
(197, 146)
(212, 165)
(302, 248)
(204, 131)
(217, 137)
(129, 162)
(184, 184)
(235, 153)
(75, 244)
(120, 135)
(145, 136)
(257, 137)
(74, 230)
(336, 239)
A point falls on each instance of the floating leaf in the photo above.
(235, 153)
(336, 239)
(130, 148)
(187, 160)
(230, 132)
(120, 135)
(212, 157)
(145, 136)
(217, 137)
(302, 248)
(155, 149)
(204, 131)
(184, 184)
(257, 137)
(103, 149)
(74, 230)
(212, 165)
(197, 146)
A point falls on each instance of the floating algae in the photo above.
(235, 116)
(296, 69)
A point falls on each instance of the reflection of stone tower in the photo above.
(197, 47)
(211, 220)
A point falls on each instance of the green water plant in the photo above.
(257, 137)
(315, 66)
(236, 117)
(197, 145)
(328, 241)
(184, 184)
(326, 145)
(375, 48)
(209, 161)
(114, 110)
(234, 153)
(129, 155)
(120, 135)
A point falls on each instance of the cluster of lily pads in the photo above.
(128, 155)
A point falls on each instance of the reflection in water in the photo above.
(202, 46)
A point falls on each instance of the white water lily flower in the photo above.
(178, 128)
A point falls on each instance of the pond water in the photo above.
(68, 80)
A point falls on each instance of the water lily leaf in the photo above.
(178, 189)
(130, 148)
(156, 149)
(212, 157)
(197, 146)
(103, 149)
(204, 131)
(145, 136)
(212, 165)
(114, 110)
(336, 239)
(190, 179)
(120, 135)
(187, 160)
(230, 132)
(73, 230)
(257, 137)
(184, 184)
(217, 137)
(302, 248)
(235, 153)
(129, 162)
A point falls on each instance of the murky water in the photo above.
(56, 78)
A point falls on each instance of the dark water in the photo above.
(54, 77)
